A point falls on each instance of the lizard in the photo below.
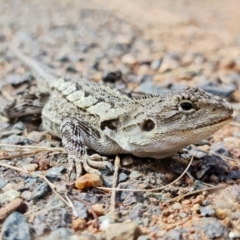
(85, 114)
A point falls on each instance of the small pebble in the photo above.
(79, 224)
(123, 231)
(222, 213)
(105, 221)
(41, 191)
(8, 196)
(156, 64)
(88, 180)
(82, 211)
(15, 227)
(207, 211)
(98, 209)
(19, 126)
(27, 195)
(144, 237)
(3, 182)
(55, 173)
(30, 167)
(176, 206)
(212, 227)
(128, 59)
(235, 234)
(122, 177)
(60, 234)
(111, 76)
(195, 208)
(182, 215)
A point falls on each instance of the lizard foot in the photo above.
(91, 164)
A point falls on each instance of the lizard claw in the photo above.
(90, 164)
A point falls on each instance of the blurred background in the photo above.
(135, 45)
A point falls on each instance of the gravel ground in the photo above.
(138, 46)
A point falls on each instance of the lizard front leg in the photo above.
(74, 134)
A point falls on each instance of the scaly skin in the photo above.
(86, 114)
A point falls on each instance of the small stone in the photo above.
(10, 186)
(19, 126)
(29, 182)
(170, 62)
(88, 180)
(23, 36)
(135, 175)
(176, 234)
(195, 208)
(143, 69)
(234, 234)
(123, 231)
(15, 79)
(176, 206)
(30, 167)
(16, 227)
(197, 153)
(8, 196)
(224, 91)
(186, 202)
(3, 182)
(55, 173)
(111, 76)
(204, 147)
(27, 195)
(36, 136)
(128, 59)
(105, 222)
(144, 237)
(222, 213)
(156, 64)
(17, 140)
(212, 227)
(127, 160)
(182, 215)
(60, 234)
(71, 69)
(79, 224)
(154, 229)
(41, 191)
(220, 148)
(98, 209)
(207, 211)
(97, 76)
(235, 215)
(122, 177)
(82, 211)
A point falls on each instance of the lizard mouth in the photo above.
(228, 119)
(221, 122)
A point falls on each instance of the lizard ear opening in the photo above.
(111, 124)
(148, 125)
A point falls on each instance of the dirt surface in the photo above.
(144, 46)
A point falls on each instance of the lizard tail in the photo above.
(32, 64)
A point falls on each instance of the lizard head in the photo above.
(158, 126)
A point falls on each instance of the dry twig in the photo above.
(16, 204)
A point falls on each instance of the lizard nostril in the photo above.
(214, 109)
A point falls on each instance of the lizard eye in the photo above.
(148, 125)
(187, 106)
